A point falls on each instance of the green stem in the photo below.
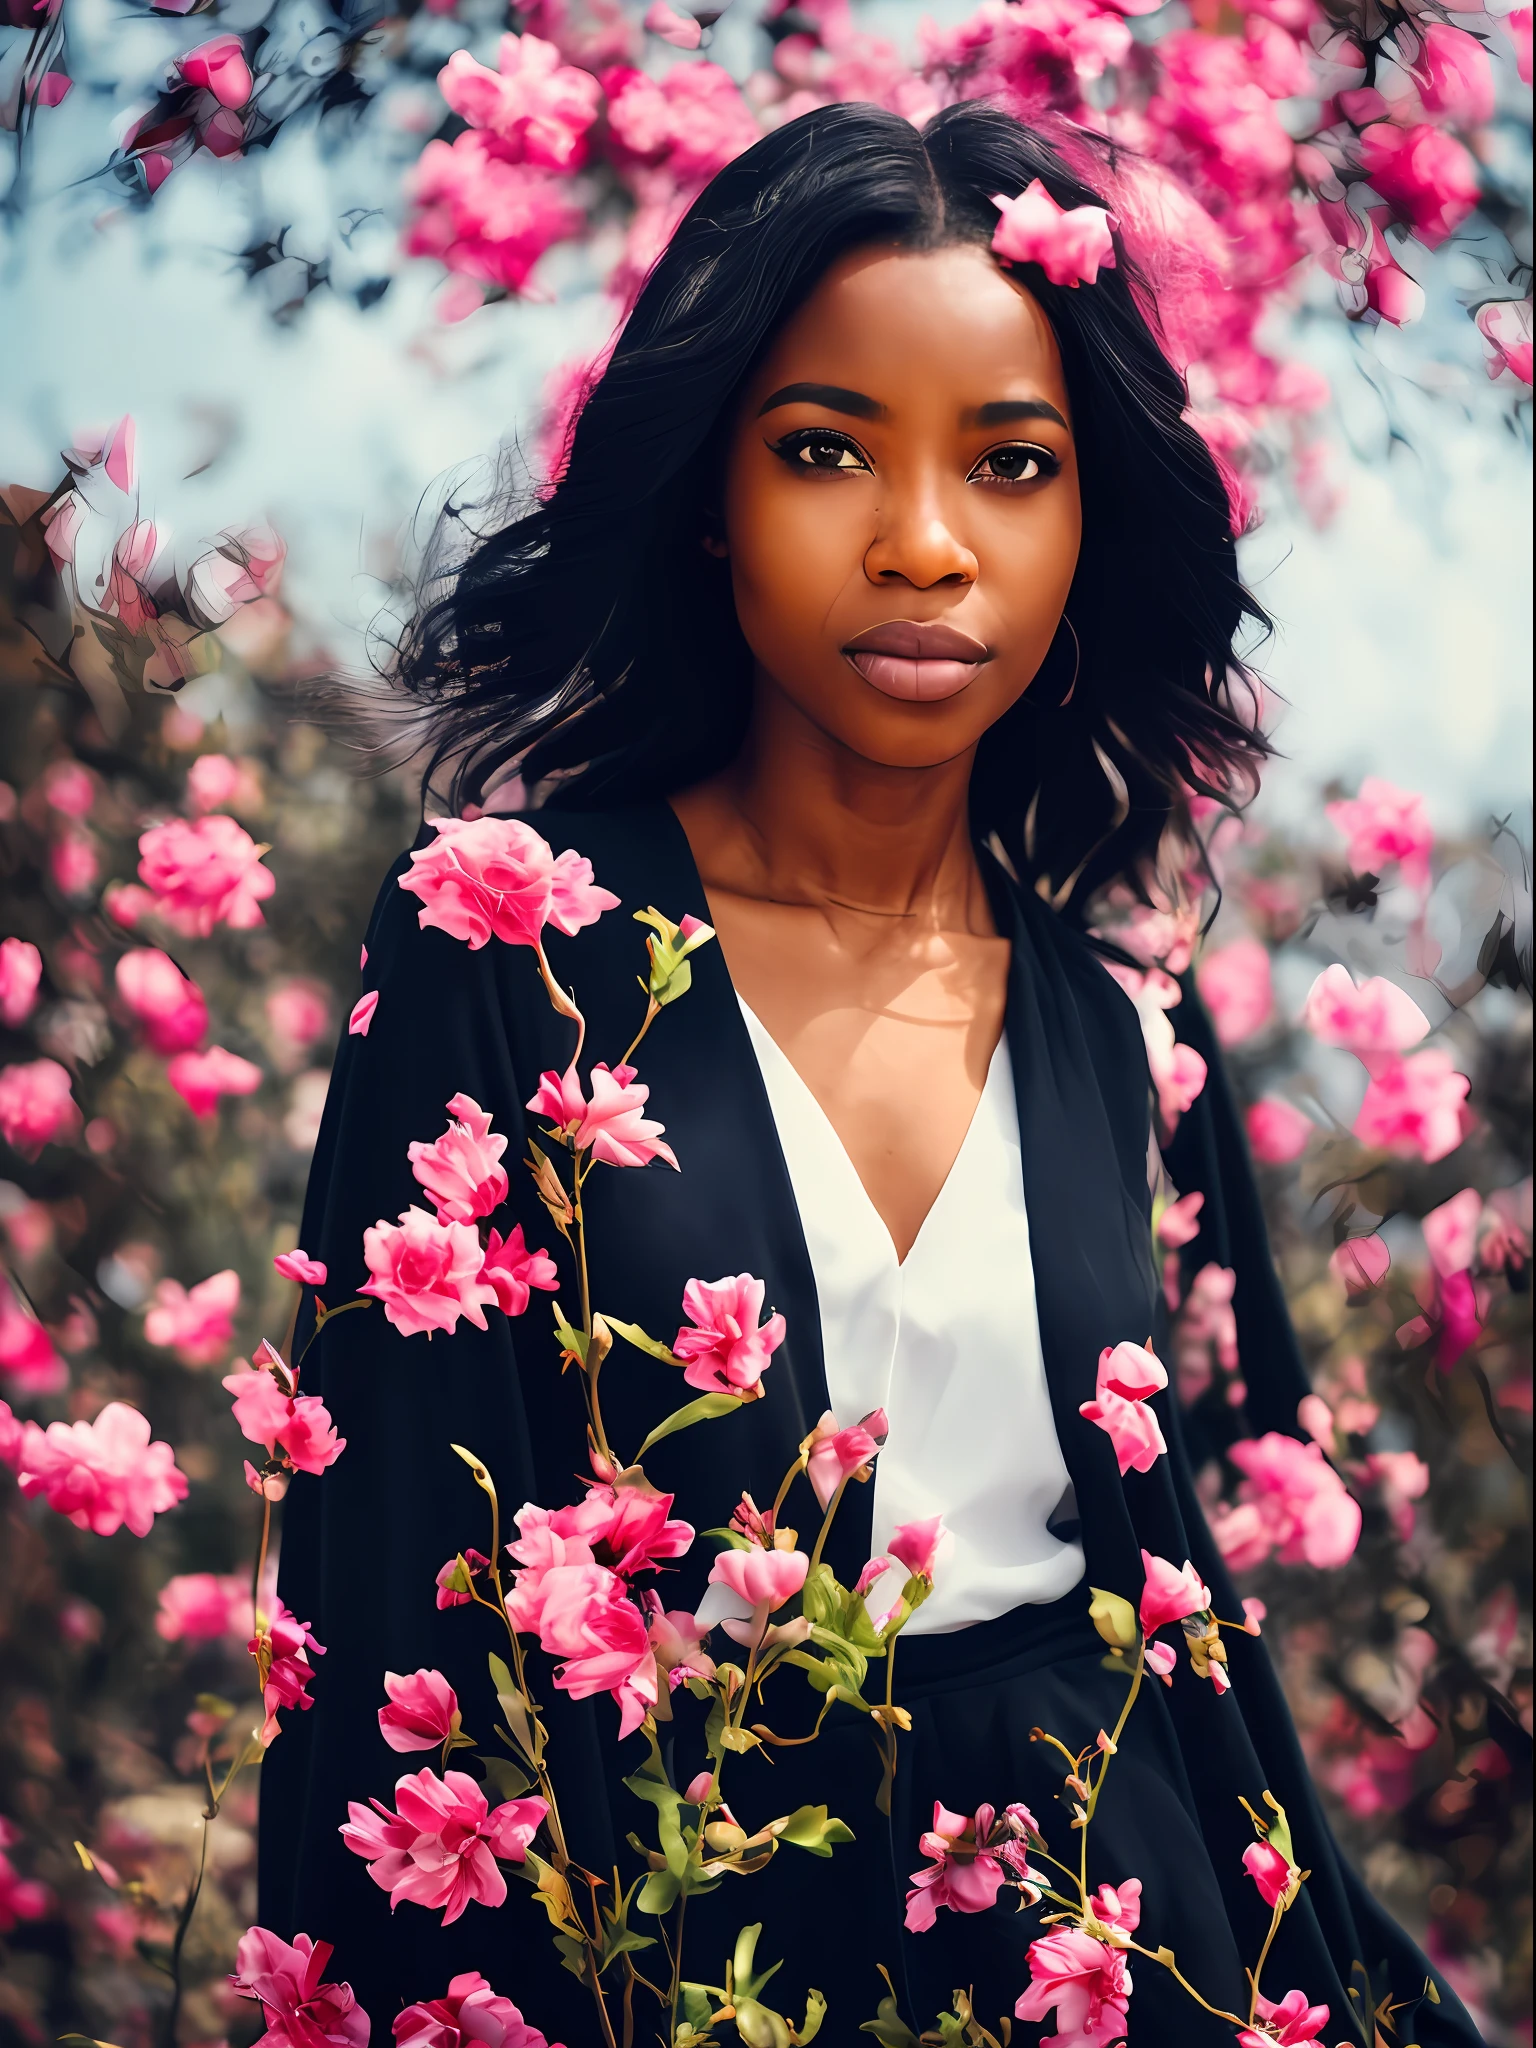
(326, 1315)
(1152, 1956)
(677, 1965)
(826, 1522)
(1258, 1969)
(652, 1012)
(173, 2015)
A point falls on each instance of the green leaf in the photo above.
(527, 1730)
(651, 1783)
(889, 2028)
(815, 2013)
(705, 1409)
(811, 1829)
(659, 1893)
(633, 1334)
(821, 1597)
(732, 1538)
(504, 1777)
(696, 2007)
(568, 1339)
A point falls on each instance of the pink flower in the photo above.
(167, 1006)
(1425, 175)
(587, 1621)
(727, 1349)
(1161, 1659)
(299, 1266)
(362, 1014)
(1270, 1871)
(298, 1013)
(213, 779)
(197, 1323)
(1169, 1594)
(1361, 1263)
(611, 1123)
(301, 2010)
(1277, 1130)
(1179, 1223)
(21, 969)
(1071, 244)
(1413, 1107)
(1118, 1906)
(455, 1580)
(462, 1170)
(1505, 324)
(281, 1647)
(1385, 824)
(1291, 2023)
(1236, 986)
(837, 1454)
(28, 1359)
(681, 30)
(1303, 1509)
(765, 1579)
(1454, 74)
(1375, 1018)
(678, 1642)
(538, 109)
(1127, 1376)
(199, 1607)
(261, 1409)
(219, 66)
(36, 1106)
(426, 1273)
(1087, 1983)
(205, 872)
(102, 1474)
(916, 1545)
(487, 219)
(512, 1270)
(201, 1078)
(1450, 1233)
(423, 1711)
(70, 789)
(1178, 1071)
(626, 1528)
(470, 2015)
(962, 1874)
(487, 877)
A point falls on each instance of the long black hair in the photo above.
(593, 640)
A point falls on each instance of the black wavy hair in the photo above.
(593, 640)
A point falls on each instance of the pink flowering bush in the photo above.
(104, 1475)
(204, 872)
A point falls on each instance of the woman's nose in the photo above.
(915, 543)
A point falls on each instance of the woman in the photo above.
(883, 615)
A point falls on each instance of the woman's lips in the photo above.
(918, 662)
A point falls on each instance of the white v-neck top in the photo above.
(947, 1342)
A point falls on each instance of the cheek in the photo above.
(793, 547)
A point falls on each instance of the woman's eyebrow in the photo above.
(1003, 412)
(833, 396)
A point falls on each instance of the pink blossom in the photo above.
(1450, 1233)
(1127, 1376)
(21, 1898)
(916, 1545)
(423, 1711)
(462, 1170)
(695, 120)
(36, 1106)
(1118, 1906)
(28, 1359)
(102, 1474)
(599, 1637)
(298, 1013)
(1169, 1594)
(299, 1266)
(1161, 1659)
(168, 1007)
(202, 1078)
(1178, 1071)
(512, 1270)
(962, 1874)
(1302, 1506)
(1179, 1223)
(1361, 1263)
(1277, 1130)
(70, 789)
(456, 1579)
(763, 1578)
(1454, 74)
(212, 781)
(197, 1323)
(726, 1348)
(1206, 1329)
(1413, 1107)
(21, 969)
(470, 2015)
(1270, 1871)
(486, 219)
(1087, 1983)
(1071, 244)
(1383, 825)
(426, 1273)
(610, 1123)
(362, 1014)
(1505, 324)
(678, 1642)
(1291, 2023)
(205, 872)
(627, 1528)
(300, 2009)
(681, 30)
(1374, 1018)
(281, 1646)
(538, 109)
(200, 1607)
(1235, 985)
(488, 877)
(1425, 174)
(300, 1425)
(837, 1455)
(219, 66)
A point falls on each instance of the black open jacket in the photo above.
(362, 1545)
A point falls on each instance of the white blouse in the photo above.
(947, 1342)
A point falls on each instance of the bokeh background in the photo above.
(322, 312)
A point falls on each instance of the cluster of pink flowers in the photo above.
(440, 1845)
(1178, 1071)
(196, 1323)
(1291, 1503)
(204, 872)
(271, 1412)
(104, 1475)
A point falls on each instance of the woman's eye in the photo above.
(1018, 464)
(823, 451)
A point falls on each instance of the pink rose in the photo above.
(299, 1266)
(726, 1349)
(201, 1078)
(168, 1008)
(838, 1455)
(470, 2015)
(1087, 1983)
(36, 1106)
(1071, 244)
(1169, 1594)
(611, 1123)
(287, 1981)
(1236, 987)
(1385, 825)
(1127, 1376)
(200, 1607)
(962, 1875)
(512, 1270)
(487, 877)
(763, 1578)
(462, 1170)
(213, 779)
(426, 1273)
(1361, 1263)
(1277, 1130)
(916, 1545)
(197, 1323)
(1269, 1870)
(21, 969)
(102, 1474)
(423, 1711)
(1413, 1107)
(261, 1409)
(203, 873)
(626, 1528)
(1374, 1018)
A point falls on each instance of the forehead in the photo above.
(937, 325)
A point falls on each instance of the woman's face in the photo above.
(901, 507)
